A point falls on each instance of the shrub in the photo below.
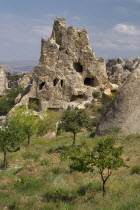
(96, 94)
(135, 170)
(44, 162)
(31, 155)
(56, 170)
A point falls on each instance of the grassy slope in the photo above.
(37, 179)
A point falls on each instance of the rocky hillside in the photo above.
(119, 70)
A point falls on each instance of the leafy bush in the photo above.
(7, 101)
(56, 170)
(135, 170)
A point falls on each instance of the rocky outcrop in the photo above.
(119, 70)
(68, 72)
(124, 112)
(8, 81)
(3, 81)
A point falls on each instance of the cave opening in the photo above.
(93, 82)
(33, 103)
(76, 97)
(41, 85)
(78, 67)
(55, 82)
(62, 82)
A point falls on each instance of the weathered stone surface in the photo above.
(124, 112)
(119, 70)
(25, 80)
(3, 81)
(121, 61)
(68, 70)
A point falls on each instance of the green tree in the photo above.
(73, 121)
(27, 120)
(7, 101)
(48, 123)
(10, 139)
(104, 157)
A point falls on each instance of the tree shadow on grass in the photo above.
(61, 149)
(59, 195)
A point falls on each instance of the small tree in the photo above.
(10, 139)
(73, 121)
(27, 120)
(47, 123)
(104, 157)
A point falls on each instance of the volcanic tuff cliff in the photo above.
(67, 71)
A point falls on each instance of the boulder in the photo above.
(121, 61)
(124, 112)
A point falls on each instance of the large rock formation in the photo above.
(3, 81)
(67, 72)
(124, 112)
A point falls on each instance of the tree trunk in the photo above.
(104, 188)
(74, 137)
(29, 140)
(4, 160)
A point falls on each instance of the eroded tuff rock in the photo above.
(3, 81)
(68, 71)
(119, 70)
(124, 112)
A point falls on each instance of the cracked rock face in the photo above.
(124, 112)
(67, 72)
(3, 81)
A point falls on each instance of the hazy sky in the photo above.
(113, 26)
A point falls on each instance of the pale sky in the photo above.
(113, 26)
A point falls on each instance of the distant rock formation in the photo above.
(124, 112)
(68, 71)
(3, 81)
(119, 70)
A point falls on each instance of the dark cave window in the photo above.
(53, 109)
(78, 67)
(33, 104)
(93, 82)
(76, 97)
(62, 82)
(55, 82)
(41, 85)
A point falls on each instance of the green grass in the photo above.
(38, 179)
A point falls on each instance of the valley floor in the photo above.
(38, 179)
